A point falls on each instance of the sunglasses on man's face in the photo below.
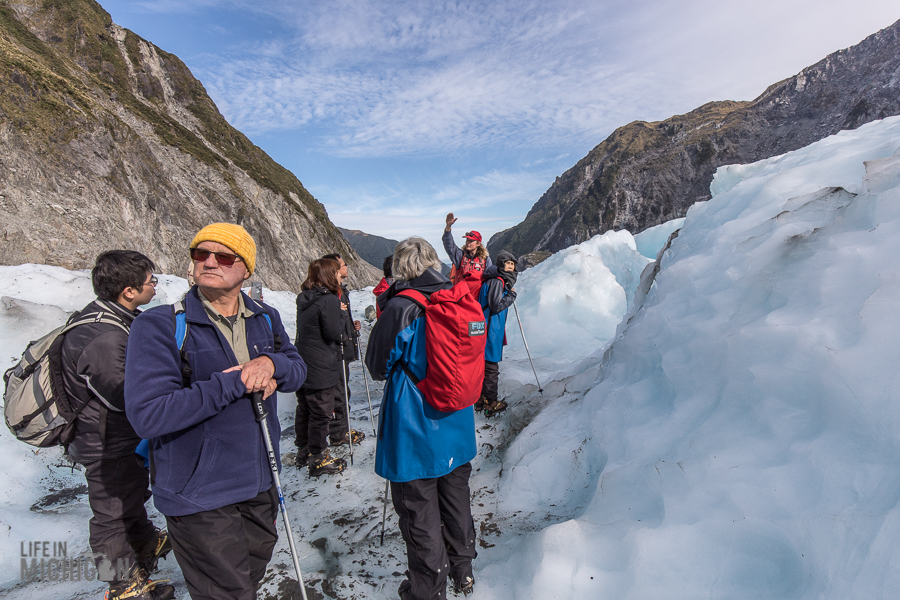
(223, 258)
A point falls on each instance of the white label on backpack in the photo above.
(476, 328)
(451, 462)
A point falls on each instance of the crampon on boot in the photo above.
(324, 464)
(344, 440)
(494, 408)
(140, 587)
(298, 459)
(463, 586)
(148, 557)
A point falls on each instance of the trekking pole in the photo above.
(368, 395)
(369, 398)
(519, 319)
(387, 489)
(261, 415)
(347, 399)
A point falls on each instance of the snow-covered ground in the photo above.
(733, 437)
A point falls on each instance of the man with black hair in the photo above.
(93, 374)
(340, 432)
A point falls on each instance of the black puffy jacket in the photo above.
(319, 328)
(93, 373)
(351, 339)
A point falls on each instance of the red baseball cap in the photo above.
(473, 235)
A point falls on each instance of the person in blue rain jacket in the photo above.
(496, 296)
(425, 453)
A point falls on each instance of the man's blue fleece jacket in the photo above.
(207, 450)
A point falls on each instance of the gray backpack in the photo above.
(35, 405)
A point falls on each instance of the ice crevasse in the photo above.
(739, 437)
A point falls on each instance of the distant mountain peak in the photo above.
(648, 173)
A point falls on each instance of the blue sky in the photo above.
(394, 113)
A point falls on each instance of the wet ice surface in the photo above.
(736, 437)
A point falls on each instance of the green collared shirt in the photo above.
(236, 332)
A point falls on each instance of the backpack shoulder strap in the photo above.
(417, 297)
(269, 321)
(179, 319)
(99, 317)
(182, 328)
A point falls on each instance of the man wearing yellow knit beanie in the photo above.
(211, 476)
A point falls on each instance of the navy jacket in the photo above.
(350, 336)
(207, 450)
(415, 440)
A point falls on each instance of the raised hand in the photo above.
(450, 221)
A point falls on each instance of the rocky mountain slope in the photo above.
(107, 141)
(647, 173)
(371, 248)
(374, 249)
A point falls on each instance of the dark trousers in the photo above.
(117, 491)
(436, 522)
(223, 553)
(313, 417)
(339, 422)
(491, 385)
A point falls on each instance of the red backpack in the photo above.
(454, 346)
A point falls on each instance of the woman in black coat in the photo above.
(319, 329)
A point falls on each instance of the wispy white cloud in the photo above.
(394, 78)
(388, 78)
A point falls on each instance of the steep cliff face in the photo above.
(106, 141)
(647, 173)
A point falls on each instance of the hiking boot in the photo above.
(463, 586)
(298, 459)
(148, 557)
(344, 440)
(496, 407)
(480, 403)
(140, 587)
(324, 464)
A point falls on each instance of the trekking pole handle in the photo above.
(258, 408)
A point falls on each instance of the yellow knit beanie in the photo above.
(233, 236)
